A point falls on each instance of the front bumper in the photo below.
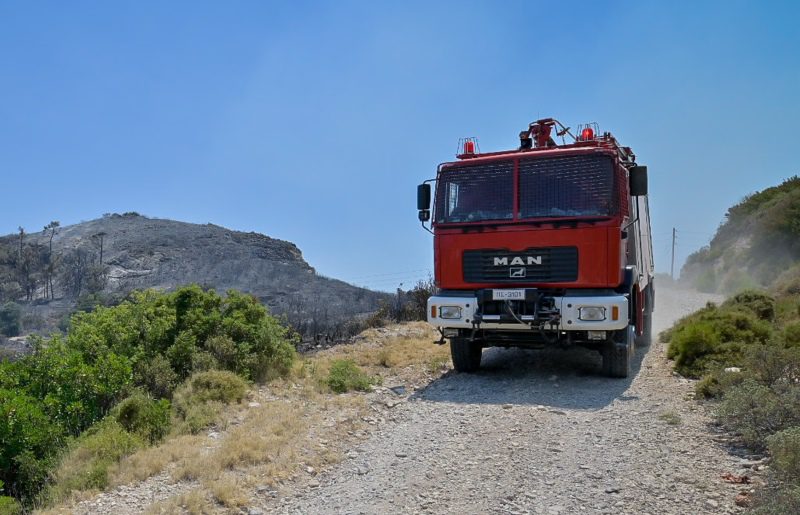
(614, 307)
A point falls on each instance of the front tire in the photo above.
(618, 353)
(466, 354)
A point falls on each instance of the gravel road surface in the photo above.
(539, 432)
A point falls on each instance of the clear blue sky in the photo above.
(314, 122)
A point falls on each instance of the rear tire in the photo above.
(647, 318)
(647, 331)
(466, 354)
(618, 353)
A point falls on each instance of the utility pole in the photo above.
(672, 267)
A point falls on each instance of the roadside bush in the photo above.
(198, 402)
(86, 464)
(345, 376)
(29, 440)
(759, 303)
(791, 334)
(9, 505)
(715, 383)
(756, 411)
(148, 418)
(777, 499)
(716, 337)
(784, 447)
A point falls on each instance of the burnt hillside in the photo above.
(113, 255)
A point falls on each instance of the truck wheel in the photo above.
(647, 331)
(466, 354)
(618, 353)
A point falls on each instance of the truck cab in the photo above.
(545, 244)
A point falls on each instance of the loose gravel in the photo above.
(539, 432)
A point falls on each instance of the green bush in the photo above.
(9, 505)
(791, 334)
(198, 402)
(755, 411)
(345, 376)
(777, 499)
(156, 376)
(86, 464)
(144, 416)
(150, 341)
(717, 337)
(759, 303)
(715, 383)
(784, 447)
(29, 440)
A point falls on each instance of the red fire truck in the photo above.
(546, 244)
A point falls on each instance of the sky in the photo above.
(314, 121)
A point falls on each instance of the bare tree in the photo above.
(50, 264)
(98, 239)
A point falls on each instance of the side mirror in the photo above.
(424, 197)
(638, 181)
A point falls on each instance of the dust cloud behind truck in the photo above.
(546, 244)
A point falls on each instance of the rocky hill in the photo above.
(758, 245)
(115, 254)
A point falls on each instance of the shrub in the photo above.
(198, 402)
(156, 376)
(9, 505)
(10, 319)
(144, 416)
(345, 375)
(716, 336)
(784, 446)
(86, 464)
(758, 303)
(29, 439)
(715, 383)
(791, 334)
(773, 364)
(217, 385)
(778, 499)
(755, 411)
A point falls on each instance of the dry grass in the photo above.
(193, 502)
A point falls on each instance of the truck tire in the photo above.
(647, 318)
(647, 331)
(618, 353)
(466, 354)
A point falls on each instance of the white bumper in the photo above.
(568, 306)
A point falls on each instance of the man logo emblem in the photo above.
(516, 272)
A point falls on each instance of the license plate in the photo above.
(508, 294)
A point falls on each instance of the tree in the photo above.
(98, 239)
(50, 262)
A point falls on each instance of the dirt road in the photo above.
(539, 432)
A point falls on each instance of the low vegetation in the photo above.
(122, 378)
(746, 354)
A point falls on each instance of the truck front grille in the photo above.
(533, 265)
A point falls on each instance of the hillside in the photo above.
(111, 256)
(758, 245)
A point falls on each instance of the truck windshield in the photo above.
(581, 185)
(475, 193)
(552, 187)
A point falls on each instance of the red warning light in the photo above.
(469, 147)
(587, 134)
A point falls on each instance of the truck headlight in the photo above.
(592, 313)
(451, 312)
